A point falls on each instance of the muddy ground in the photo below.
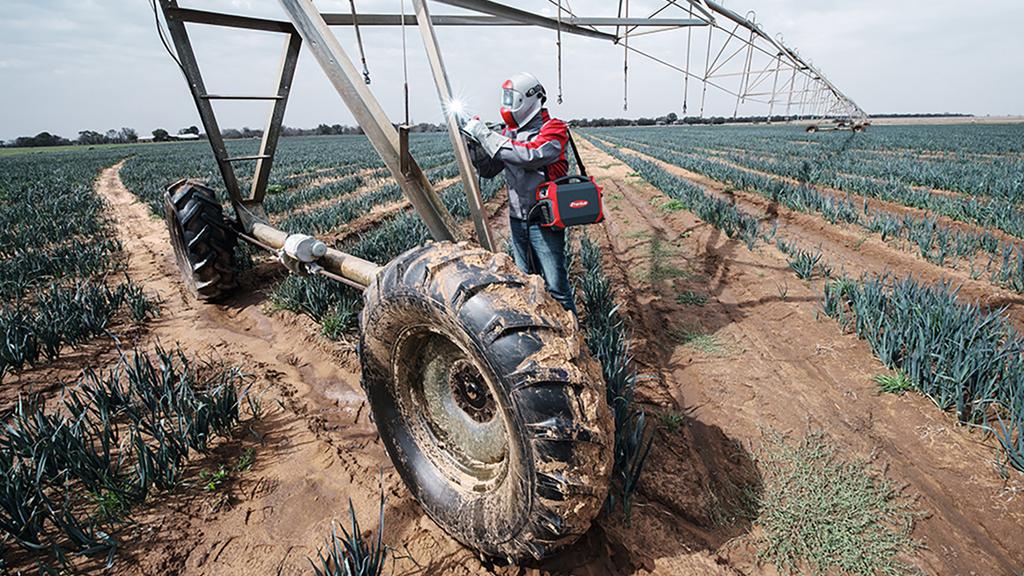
(773, 363)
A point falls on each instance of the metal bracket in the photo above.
(404, 157)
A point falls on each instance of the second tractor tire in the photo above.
(203, 240)
(488, 404)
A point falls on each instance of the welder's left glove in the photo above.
(488, 139)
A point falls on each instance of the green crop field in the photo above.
(903, 247)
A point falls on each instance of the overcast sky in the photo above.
(70, 65)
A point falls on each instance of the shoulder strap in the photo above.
(576, 152)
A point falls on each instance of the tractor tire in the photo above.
(486, 399)
(203, 239)
(811, 129)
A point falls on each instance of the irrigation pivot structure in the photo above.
(484, 396)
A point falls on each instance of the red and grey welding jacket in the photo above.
(534, 155)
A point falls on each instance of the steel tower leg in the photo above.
(444, 91)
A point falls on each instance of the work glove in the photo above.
(488, 139)
(476, 153)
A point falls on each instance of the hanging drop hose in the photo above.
(359, 40)
(558, 43)
(625, 64)
(686, 77)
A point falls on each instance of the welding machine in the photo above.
(572, 200)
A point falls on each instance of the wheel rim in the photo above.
(452, 409)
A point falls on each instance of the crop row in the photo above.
(329, 217)
(58, 253)
(335, 306)
(608, 340)
(859, 178)
(66, 315)
(965, 358)
(716, 211)
(298, 163)
(881, 154)
(72, 472)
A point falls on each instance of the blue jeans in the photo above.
(539, 250)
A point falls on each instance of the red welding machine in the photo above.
(569, 201)
(572, 200)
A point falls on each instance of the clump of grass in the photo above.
(673, 206)
(897, 383)
(821, 514)
(215, 479)
(658, 269)
(697, 340)
(691, 298)
(671, 421)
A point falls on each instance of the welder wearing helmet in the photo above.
(530, 149)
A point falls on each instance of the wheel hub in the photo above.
(471, 393)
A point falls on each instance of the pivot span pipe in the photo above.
(352, 268)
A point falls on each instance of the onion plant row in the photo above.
(977, 161)
(61, 264)
(337, 307)
(66, 315)
(298, 163)
(716, 211)
(331, 216)
(70, 473)
(967, 359)
(608, 340)
(840, 173)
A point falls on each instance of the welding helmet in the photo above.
(522, 96)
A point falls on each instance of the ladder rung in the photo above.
(238, 97)
(241, 158)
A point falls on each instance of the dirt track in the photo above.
(776, 366)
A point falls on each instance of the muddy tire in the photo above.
(486, 400)
(811, 129)
(203, 240)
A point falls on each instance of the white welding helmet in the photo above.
(522, 96)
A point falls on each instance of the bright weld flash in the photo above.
(457, 108)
